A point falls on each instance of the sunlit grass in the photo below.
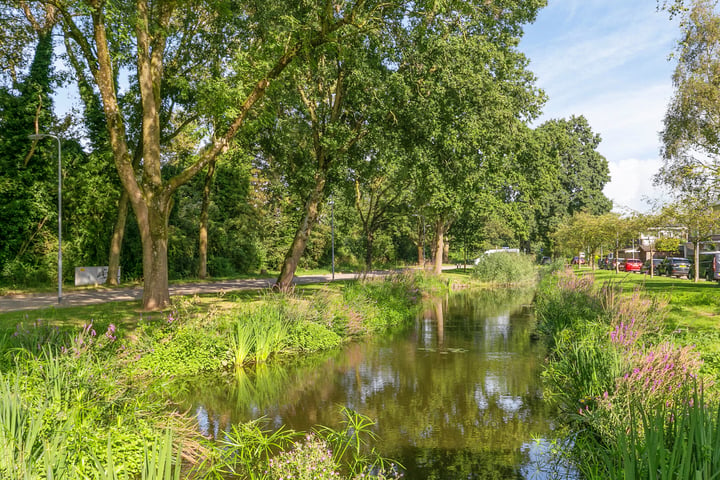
(692, 305)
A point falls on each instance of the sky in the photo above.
(609, 61)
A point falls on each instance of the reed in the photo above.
(661, 443)
(242, 342)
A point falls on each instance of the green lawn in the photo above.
(694, 306)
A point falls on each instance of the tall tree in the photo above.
(231, 51)
(466, 91)
(691, 134)
(326, 115)
(565, 175)
(27, 203)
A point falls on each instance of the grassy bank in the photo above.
(634, 377)
(690, 305)
(84, 390)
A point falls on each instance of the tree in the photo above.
(586, 233)
(566, 175)
(29, 178)
(691, 138)
(700, 217)
(327, 117)
(464, 91)
(188, 58)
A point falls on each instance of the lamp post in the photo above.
(332, 234)
(40, 136)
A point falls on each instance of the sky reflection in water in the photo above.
(456, 395)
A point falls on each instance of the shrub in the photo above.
(505, 268)
(311, 336)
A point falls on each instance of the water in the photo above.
(457, 395)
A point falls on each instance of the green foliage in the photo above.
(609, 360)
(682, 441)
(184, 351)
(563, 301)
(506, 268)
(667, 244)
(310, 459)
(253, 450)
(308, 336)
(88, 402)
(690, 135)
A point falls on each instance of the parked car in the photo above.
(674, 267)
(578, 261)
(646, 266)
(632, 265)
(709, 266)
(609, 263)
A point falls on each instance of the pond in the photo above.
(456, 395)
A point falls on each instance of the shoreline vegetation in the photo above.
(93, 401)
(86, 391)
(635, 383)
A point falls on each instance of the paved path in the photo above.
(74, 298)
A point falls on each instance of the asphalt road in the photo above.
(74, 298)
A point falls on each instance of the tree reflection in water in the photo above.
(457, 395)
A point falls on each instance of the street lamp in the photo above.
(40, 136)
(332, 234)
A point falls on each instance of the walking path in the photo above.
(10, 303)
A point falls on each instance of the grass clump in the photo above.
(506, 268)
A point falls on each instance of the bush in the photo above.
(505, 268)
(310, 337)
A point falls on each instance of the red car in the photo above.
(631, 265)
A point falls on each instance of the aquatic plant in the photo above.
(242, 342)
(662, 443)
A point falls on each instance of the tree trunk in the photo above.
(297, 248)
(439, 246)
(203, 247)
(154, 235)
(696, 259)
(368, 251)
(421, 244)
(117, 239)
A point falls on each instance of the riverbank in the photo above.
(637, 392)
(92, 402)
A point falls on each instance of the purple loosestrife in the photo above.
(661, 375)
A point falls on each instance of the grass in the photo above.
(104, 373)
(693, 306)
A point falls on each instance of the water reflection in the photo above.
(457, 395)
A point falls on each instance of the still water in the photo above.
(455, 396)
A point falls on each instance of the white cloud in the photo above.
(632, 184)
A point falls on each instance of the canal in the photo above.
(456, 395)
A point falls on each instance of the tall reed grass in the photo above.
(620, 380)
(663, 443)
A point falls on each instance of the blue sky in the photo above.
(608, 60)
